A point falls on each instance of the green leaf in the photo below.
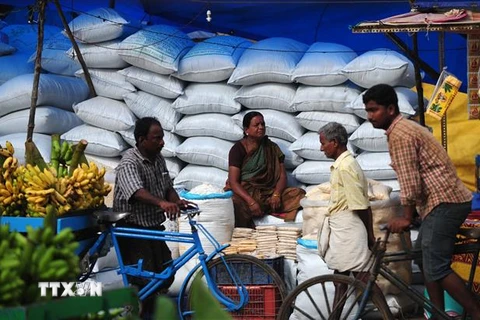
(165, 309)
(206, 307)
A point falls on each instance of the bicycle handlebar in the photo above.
(191, 210)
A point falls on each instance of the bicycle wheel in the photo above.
(266, 288)
(313, 299)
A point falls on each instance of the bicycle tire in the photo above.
(309, 307)
(251, 309)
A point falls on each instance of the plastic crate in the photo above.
(247, 272)
(263, 302)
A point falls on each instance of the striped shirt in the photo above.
(426, 174)
(349, 185)
(136, 172)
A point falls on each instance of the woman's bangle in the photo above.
(251, 204)
(276, 194)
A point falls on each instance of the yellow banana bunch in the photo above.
(89, 187)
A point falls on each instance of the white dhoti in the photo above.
(343, 242)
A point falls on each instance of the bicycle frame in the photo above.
(158, 278)
(380, 267)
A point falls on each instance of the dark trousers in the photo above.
(156, 257)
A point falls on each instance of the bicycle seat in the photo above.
(109, 216)
(470, 233)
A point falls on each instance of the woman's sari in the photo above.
(260, 173)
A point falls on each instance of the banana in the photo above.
(61, 199)
(65, 235)
(8, 162)
(9, 186)
(5, 153)
(43, 261)
(5, 193)
(9, 147)
(47, 236)
(7, 200)
(50, 176)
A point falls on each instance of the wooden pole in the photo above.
(76, 49)
(37, 70)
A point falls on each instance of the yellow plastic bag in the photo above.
(445, 91)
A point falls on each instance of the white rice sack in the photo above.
(109, 163)
(101, 142)
(313, 172)
(212, 60)
(174, 166)
(108, 83)
(217, 217)
(308, 147)
(334, 99)
(24, 37)
(380, 66)
(54, 56)
(14, 65)
(268, 60)
(143, 104)
(53, 90)
(277, 96)
(205, 151)
(376, 165)
(157, 48)
(172, 141)
(278, 124)
(194, 175)
(105, 113)
(216, 125)
(157, 84)
(6, 49)
(42, 141)
(97, 25)
(102, 55)
(48, 120)
(407, 103)
(314, 120)
(292, 182)
(207, 97)
(292, 160)
(368, 138)
(322, 64)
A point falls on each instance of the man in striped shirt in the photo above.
(144, 188)
(430, 186)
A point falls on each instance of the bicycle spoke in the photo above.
(306, 314)
(314, 304)
(325, 294)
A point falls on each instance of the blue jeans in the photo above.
(437, 238)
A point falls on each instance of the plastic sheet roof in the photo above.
(303, 20)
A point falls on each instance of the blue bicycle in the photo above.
(230, 278)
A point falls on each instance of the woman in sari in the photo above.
(257, 177)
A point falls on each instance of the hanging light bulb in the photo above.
(209, 15)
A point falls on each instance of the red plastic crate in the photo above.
(264, 301)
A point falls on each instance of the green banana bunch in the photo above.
(41, 255)
(11, 282)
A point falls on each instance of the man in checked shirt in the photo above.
(430, 186)
(144, 188)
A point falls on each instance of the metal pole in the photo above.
(418, 82)
(441, 61)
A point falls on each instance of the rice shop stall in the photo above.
(456, 126)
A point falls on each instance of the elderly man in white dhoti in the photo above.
(346, 233)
